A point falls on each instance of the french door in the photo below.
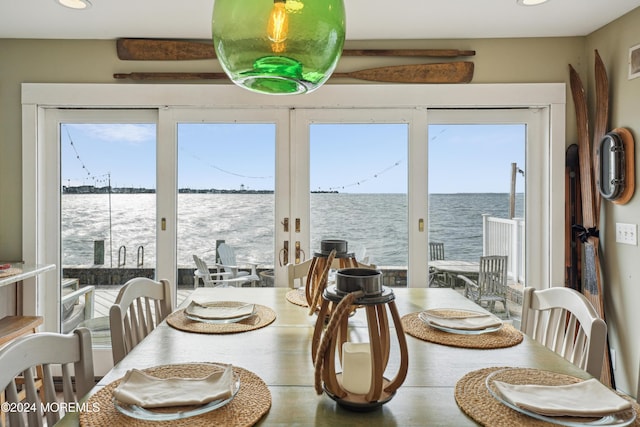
(229, 182)
(356, 179)
(295, 129)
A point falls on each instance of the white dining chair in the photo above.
(49, 352)
(297, 274)
(140, 306)
(565, 321)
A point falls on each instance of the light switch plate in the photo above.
(627, 233)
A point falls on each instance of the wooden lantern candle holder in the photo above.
(359, 390)
(331, 252)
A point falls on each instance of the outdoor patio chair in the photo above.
(491, 286)
(565, 321)
(436, 253)
(212, 280)
(229, 264)
(45, 350)
(140, 306)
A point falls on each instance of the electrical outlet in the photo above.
(627, 233)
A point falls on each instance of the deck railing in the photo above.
(501, 236)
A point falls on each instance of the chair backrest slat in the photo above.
(67, 385)
(227, 254)
(436, 251)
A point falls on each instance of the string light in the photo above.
(218, 168)
(106, 177)
(97, 179)
(362, 181)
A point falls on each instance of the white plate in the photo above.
(196, 318)
(168, 414)
(424, 316)
(618, 419)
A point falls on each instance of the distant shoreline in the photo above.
(90, 189)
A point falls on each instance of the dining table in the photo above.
(280, 354)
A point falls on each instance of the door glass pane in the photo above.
(476, 192)
(108, 208)
(226, 175)
(358, 181)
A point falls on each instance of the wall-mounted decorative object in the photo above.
(634, 61)
(616, 157)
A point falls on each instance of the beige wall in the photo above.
(496, 61)
(621, 262)
(95, 61)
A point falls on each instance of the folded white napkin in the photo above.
(588, 398)
(472, 321)
(146, 391)
(207, 309)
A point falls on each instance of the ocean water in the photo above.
(374, 225)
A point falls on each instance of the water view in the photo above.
(374, 225)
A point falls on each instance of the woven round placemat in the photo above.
(297, 297)
(473, 397)
(264, 316)
(252, 401)
(11, 271)
(507, 336)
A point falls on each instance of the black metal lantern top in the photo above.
(364, 280)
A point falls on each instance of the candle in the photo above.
(356, 367)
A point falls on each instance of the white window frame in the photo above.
(38, 98)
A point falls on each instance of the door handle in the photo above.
(286, 252)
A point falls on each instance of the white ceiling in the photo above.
(366, 19)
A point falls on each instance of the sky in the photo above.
(353, 158)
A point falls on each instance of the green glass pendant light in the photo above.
(278, 46)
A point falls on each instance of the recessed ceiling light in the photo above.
(531, 2)
(75, 4)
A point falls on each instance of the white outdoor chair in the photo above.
(212, 280)
(229, 264)
(491, 286)
(563, 320)
(47, 350)
(141, 305)
(203, 273)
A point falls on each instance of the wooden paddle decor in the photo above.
(446, 72)
(588, 231)
(178, 50)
